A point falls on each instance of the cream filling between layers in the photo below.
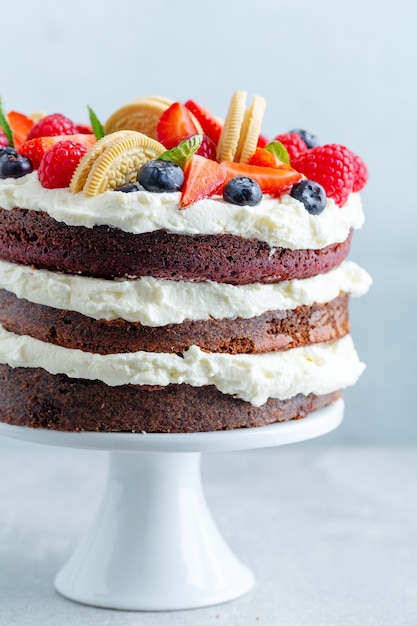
(318, 369)
(157, 302)
(282, 222)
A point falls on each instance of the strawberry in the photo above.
(3, 139)
(202, 179)
(83, 129)
(21, 125)
(212, 127)
(332, 166)
(262, 141)
(53, 125)
(174, 125)
(360, 173)
(59, 164)
(265, 158)
(273, 181)
(294, 144)
(35, 149)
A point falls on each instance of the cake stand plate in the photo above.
(153, 544)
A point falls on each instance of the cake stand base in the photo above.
(153, 544)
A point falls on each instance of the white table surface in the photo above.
(330, 532)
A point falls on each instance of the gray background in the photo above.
(343, 69)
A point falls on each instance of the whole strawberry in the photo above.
(59, 164)
(330, 165)
(52, 125)
(294, 144)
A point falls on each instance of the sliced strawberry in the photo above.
(21, 125)
(202, 179)
(35, 149)
(84, 129)
(265, 158)
(262, 141)
(273, 181)
(212, 127)
(175, 124)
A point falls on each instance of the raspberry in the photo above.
(35, 149)
(360, 173)
(294, 144)
(59, 164)
(3, 139)
(52, 125)
(207, 148)
(330, 165)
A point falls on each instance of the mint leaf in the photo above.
(280, 151)
(96, 125)
(4, 123)
(182, 153)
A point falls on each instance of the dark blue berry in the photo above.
(14, 165)
(311, 194)
(129, 187)
(160, 176)
(243, 191)
(8, 150)
(309, 139)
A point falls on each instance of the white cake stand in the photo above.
(153, 544)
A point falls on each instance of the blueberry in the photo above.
(14, 165)
(8, 150)
(129, 187)
(160, 176)
(311, 194)
(309, 139)
(243, 191)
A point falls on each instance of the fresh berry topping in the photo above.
(13, 165)
(330, 165)
(262, 141)
(59, 164)
(3, 139)
(311, 194)
(293, 143)
(273, 181)
(129, 187)
(309, 139)
(211, 126)
(243, 191)
(182, 153)
(83, 129)
(175, 124)
(8, 150)
(21, 125)
(35, 149)
(265, 158)
(207, 148)
(360, 173)
(203, 177)
(159, 176)
(51, 125)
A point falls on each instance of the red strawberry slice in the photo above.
(262, 141)
(202, 179)
(273, 181)
(211, 126)
(35, 149)
(175, 124)
(21, 125)
(265, 158)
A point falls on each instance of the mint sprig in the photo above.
(280, 151)
(4, 123)
(96, 125)
(183, 152)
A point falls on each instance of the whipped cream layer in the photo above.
(282, 222)
(319, 369)
(156, 302)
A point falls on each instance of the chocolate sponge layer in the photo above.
(33, 238)
(274, 330)
(35, 398)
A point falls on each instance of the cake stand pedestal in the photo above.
(153, 544)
